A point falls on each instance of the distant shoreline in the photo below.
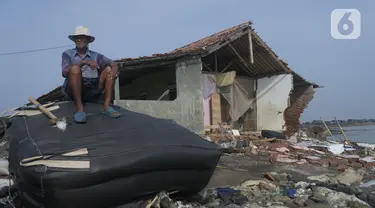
(334, 125)
(353, 124)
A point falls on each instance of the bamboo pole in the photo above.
(342, 131)
(329, 131)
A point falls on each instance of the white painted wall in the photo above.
(272, 99)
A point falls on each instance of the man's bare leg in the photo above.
(107, 83)
(75, 84)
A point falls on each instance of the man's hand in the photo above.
(93, 65)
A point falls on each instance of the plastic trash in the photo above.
(368, 184)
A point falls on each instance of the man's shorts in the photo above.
(90, 90)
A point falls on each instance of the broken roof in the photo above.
(265, 59)
(197, 47)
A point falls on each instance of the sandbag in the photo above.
(105, 162)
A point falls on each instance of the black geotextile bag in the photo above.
(105, 162)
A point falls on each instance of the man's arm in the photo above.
(103, 62)
(66, 64)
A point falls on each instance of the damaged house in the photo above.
(229, 77)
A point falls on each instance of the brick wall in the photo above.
(299, 99)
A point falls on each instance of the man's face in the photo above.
(81, 41)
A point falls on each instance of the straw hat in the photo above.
(82, 30)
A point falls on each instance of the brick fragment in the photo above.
(324, 163)
(341, 168)
(369, 164)
(336, 162)
(315, 162)
(282, 142)
(356, 165)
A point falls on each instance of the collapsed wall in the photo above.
(299, 100)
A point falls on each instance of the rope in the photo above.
(28, 133)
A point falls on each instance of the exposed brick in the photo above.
(299, 99)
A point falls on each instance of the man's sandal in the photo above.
(110, 111)
(80, 117)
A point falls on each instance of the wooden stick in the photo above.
(247, 68)
(43, 109)
(342, 130)
(329, 131)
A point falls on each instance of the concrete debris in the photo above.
(312, 158)
(250, 183)
(301, 162)
(336, 199)
(367, 146)
(350, 156)
(292, 140)
(368, 159)
(350, 176)
(334, 148)
(320, 178)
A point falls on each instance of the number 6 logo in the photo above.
(345, 24)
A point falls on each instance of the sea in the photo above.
(362, 134)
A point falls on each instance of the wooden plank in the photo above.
(216, 108)
(227, 66)
(251, 47)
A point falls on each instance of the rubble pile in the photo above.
(348, 166)
(280, 190)
(308, 151)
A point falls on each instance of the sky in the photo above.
(298, 31)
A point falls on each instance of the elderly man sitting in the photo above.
(88, 74)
